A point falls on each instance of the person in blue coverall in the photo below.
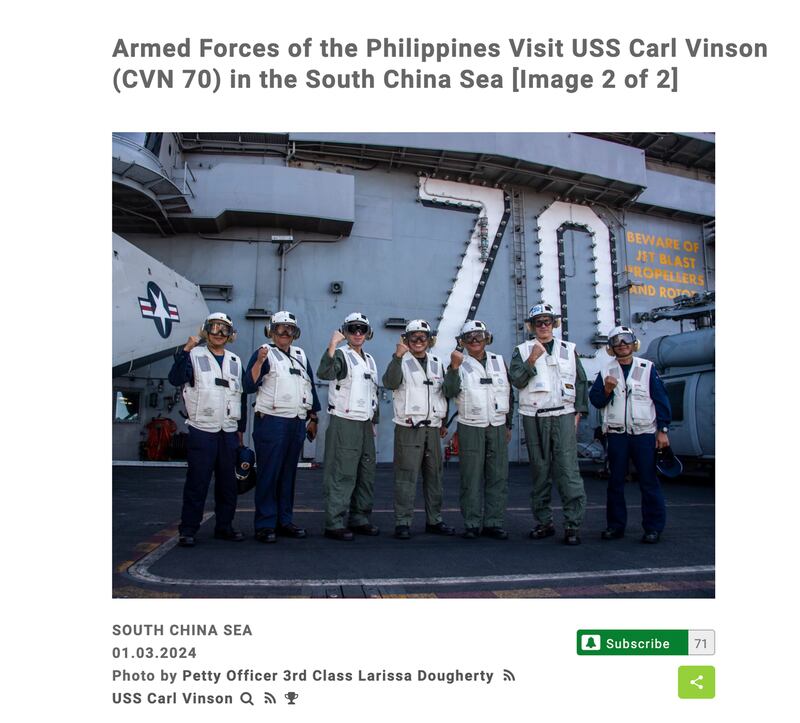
(286, 412)
(636, 414)
(211, 378)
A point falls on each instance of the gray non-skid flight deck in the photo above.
(147, 505)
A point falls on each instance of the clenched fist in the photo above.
(609, 384)
(400, 349)
(456, 358)
(536, 351)
(336, 338)
(192, 343)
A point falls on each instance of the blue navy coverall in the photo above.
(641, 448)
(207, 453)
(279, 443)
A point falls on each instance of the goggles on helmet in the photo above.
(284, 330)
(620, 339)
(474, 336)
(417, 336)
(356, 328)
(218, 327)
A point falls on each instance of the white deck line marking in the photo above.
(143, 463)
(421, 510)
(141, 571)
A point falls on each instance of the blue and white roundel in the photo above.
(156, 307)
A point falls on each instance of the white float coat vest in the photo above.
(483, 399)
(214, 406)
(285, 390)
(631, 408)
(553, 385)
(356, 396)
(419, 398)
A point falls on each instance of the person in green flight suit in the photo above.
(553, 395)
(479, 382)
(415, 378)
(349, 476)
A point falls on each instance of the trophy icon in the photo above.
(291, 696)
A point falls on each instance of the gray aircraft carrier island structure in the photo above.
(608, 227)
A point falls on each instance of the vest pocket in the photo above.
(207, 401)
(501, 400)
(285, 393)
(438, 405)
(473, 406)
(233, 406)
(642, 409)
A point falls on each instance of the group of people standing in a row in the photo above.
(553, 394)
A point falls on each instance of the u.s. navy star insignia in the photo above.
(156, 307)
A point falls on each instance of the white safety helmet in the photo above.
(282, 317)
(218, 317)
(423, 326)
(356, 318)
(543, 309)
(472, 325)
(621, 333)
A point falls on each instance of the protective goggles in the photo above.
(218, 327)
(284, 330)
(474, 336)
(416, 338)
(543, 321)
(621, 339)
(356, 329)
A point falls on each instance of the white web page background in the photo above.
(59, 116)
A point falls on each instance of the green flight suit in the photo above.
(482, 457)
(349, 473)
(553, 449)
(416, 449)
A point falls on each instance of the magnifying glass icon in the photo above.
(246, 698)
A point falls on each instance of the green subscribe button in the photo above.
(633, 642)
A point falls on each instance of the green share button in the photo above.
(633, 642)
